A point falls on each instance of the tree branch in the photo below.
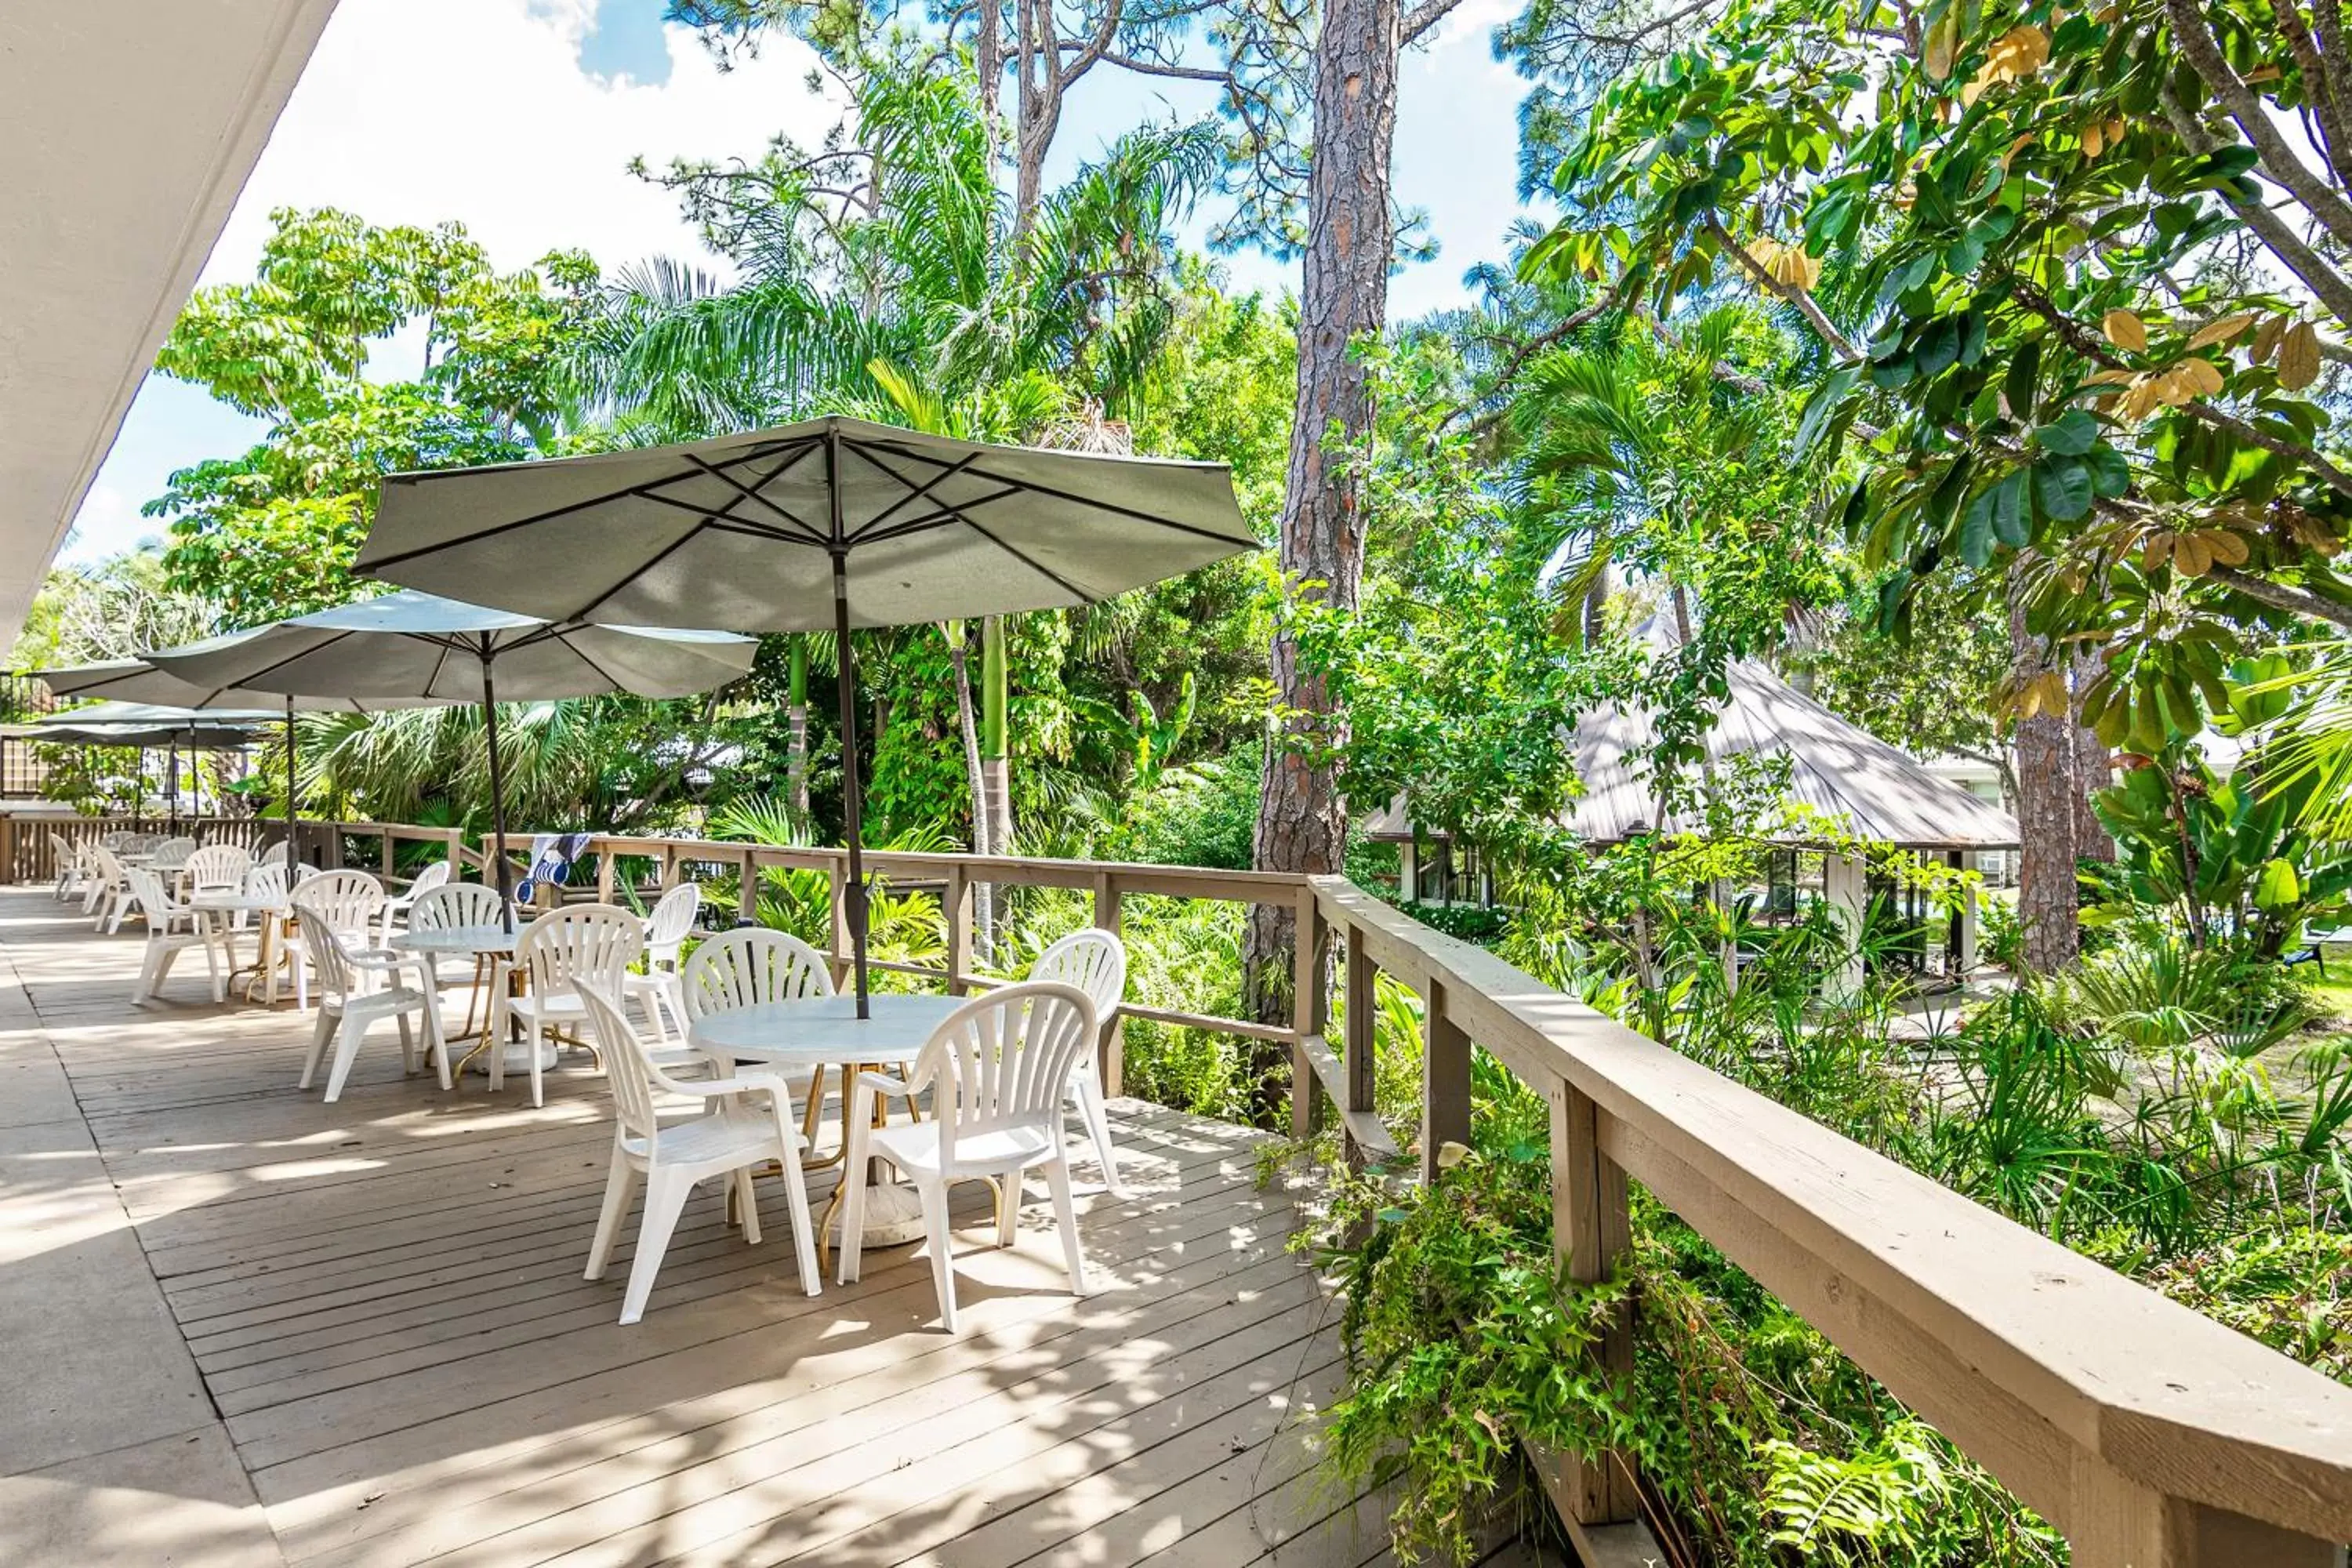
(2319, 88)
(1527, 349)
(1424, 17)
(2331, 286)
(2279, 596)
(2245, 106)
(1838, 341)
(1156, 68)
(2083, 341)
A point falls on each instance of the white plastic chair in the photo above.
(72, 870)
(657, 990)
(357, 991)
(171, 854)
(590, 944)
(347, 901)
(217, 868)
(452, 906)
(998, 1067)
(171, 927)
(744, 968)
(396, 909)
(731, 1138)
(1094, 962)
(110, 893)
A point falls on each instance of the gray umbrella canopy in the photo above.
(743, 531)
(830, 524)
(415, 649)
(139, 681)
(409, 649)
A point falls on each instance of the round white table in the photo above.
(820, 1031)
(476, 943)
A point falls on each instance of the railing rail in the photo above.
(2151, 1436)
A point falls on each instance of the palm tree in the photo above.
(892, 281)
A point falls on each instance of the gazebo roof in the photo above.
(1880, 792)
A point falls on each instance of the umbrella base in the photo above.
(894, 1216)
(518, 1059)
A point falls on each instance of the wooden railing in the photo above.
(27, 854)
(2151, 1436)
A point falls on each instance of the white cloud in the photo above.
(418, 111)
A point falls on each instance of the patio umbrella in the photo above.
(830, 524)
(416, 649)
(138, 681)
(145, 726)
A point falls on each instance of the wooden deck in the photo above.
(239, 1326)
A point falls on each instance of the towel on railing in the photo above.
(551, 855)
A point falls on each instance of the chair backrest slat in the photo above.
(147, 889)
(1093, 960)
(217, 866)
(626, 1068)
(329, 958)
(1004, 1059)
(748, 966)
(453, 905)
(348, 901)
(595, 943)
(266, 880)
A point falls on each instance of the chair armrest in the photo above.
(882, 1083)
(713, 1088)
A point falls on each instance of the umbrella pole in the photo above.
(852, 829)
(293, 814)
(497, 796)
(171, 786)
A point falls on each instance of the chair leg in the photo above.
(347, 1046)
(747, 1205)
(804, 1233)
(436, 1037)
(666, 1195)
(1098, 1121)
(213, 971)
(620, 1187)
(326, 1027)
(935, 1224)
(1058, 1177)
(1008, 1206)
(853, 1208)
(538, 1073)
(407, 1045)
(498, 1027)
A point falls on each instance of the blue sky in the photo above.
(518, 118)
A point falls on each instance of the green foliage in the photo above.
(271, 532)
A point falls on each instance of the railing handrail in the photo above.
(2144, 1431)
(2030, 1356)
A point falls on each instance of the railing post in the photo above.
(2116, 1522)
(1591, 1231)
(604, 877)
(1111, 1051)
(1444, 1079)
(1307, 1010)
(386, 857)
(834, 874)
(955, 903)
(1356, 1050)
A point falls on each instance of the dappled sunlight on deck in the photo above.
(382, 1300)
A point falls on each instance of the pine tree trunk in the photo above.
(1302, 823)
(2047, 805)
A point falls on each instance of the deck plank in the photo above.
(382, 1300)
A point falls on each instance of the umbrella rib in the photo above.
(265, 672)
(603, 674)
(645, 490)
(1113, 507)
(752, 493)
(914, 492)
(664, 554)
(1084, 598)
(929, 520)
(725, 516)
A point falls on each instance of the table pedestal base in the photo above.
(518, 1058)
(894, 1216)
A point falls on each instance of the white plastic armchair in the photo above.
(347, 901)
(744, 968)
(72, 870)
(217, 868)
(109, 893)
(997, 1067)
(657, 990)
(733, 1137)
(172, 853)
(592, 944)
(396, 909)
(1094, 961)
(356, 991)
(171, 927)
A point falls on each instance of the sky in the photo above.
(518, 118)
